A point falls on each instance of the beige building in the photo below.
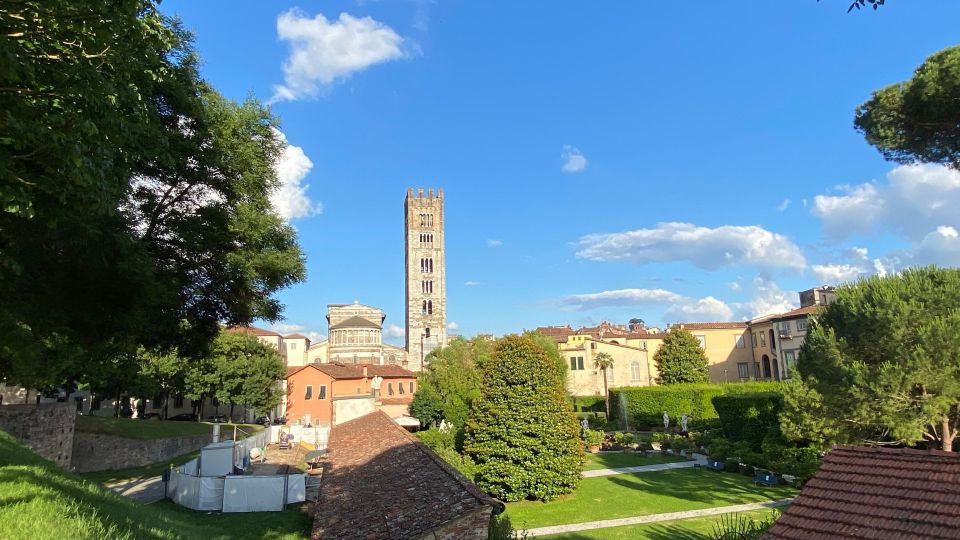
(765, 348)
(426, 289)
(355, 336)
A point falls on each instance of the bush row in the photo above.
(749, 416)
(588, 404)
(645, 405)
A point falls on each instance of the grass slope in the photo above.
(626, 495)
(40, 501)
(153, 429)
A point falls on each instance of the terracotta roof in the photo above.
(296, 336)
(252, 330)
(292, 370)
(355, 371)
(798, 312)
(862, 492)
(710, 325)
(646, 335)
(381, 482)
(402, 400)
(555, 330)
(355, 322)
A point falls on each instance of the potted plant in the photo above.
(627, 442)
(594, 440)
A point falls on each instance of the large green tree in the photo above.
(521, 433)
(918, 120)
(882, 362)
(450, 382)
(246, 371)
(681, 359)
(134, 202)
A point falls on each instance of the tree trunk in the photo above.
(116, 406)
(231, 411)
(606, 394)
(947, 436)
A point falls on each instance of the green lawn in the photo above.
(684, 529)
(40, 501)
(619, 460)
(626, 495)
(146, 471)
(152, 429)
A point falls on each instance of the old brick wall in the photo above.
(473, 526)
(96, 452)
(47, 428)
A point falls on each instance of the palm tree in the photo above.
(602, 361)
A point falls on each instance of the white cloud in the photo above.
(393, 331)
(315, 337)
(914, 201)
(494, 243)
(621, 297)
(705, 247)
(784, 205)
(290, 198)
(283, 328)
(734, 285)
(707, 309)
(835, 274)
(573, 160)
(452, 326)
(323, 52)
(941, 246)
(768, 299)
(471, 283)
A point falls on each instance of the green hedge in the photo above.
(645, 405)
(588, 404)
(749, 417)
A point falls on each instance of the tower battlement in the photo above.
(419, 194)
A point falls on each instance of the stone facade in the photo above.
(96, 452)
(426, 289)
(46, 428)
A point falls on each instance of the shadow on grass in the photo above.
(718, 489)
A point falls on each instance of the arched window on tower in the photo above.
(429, 307)
(423, 310)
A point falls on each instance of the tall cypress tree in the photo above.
(521, 432)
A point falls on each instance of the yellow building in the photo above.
(631, 366)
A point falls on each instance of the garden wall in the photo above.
(97, 452)
(46, 428)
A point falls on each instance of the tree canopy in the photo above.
(450, 382)
(681, 359)
(134, 205)
(882, 363)
(521, 433)
(917, 120)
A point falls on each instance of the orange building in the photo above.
(332, 393)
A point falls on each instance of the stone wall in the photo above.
(47, 428)
(96, 452)
(473, 526)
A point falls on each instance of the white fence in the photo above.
(317, 436)
(207, 482)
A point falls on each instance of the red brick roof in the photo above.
(381, 482)
(252, 330)
(355, 371)
(710, 325)
(862, 492)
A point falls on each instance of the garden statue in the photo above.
(666, 421)
(444, 426)
(683, 423)
(584, 425)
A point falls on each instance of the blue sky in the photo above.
(670, 161)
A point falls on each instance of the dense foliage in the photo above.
(645, 405)
(918, 120)
(750, 416)
(444, 444)
(681, 359)
(134, 205)
(450, 382)
(882, 363)
(521, 432)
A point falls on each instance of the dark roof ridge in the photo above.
(897, 451)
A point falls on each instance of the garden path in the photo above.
(653, 518)
(144, 490)
(645, 468)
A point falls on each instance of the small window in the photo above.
(292, 346)
(308, 394)
(573, 363)
(743, 370)
(763, 339)
(740, 343)
(429, 307)
(322, 392)
(389, 389)
(634, 371)
(610, 375)
(580, 363)
(801, 325)
(400, 388)
(411, 387)
(426, 332)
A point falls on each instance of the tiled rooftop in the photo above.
(381, 482)
(878, 493)
(355, 371)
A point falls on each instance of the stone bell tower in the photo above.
(426, 276)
